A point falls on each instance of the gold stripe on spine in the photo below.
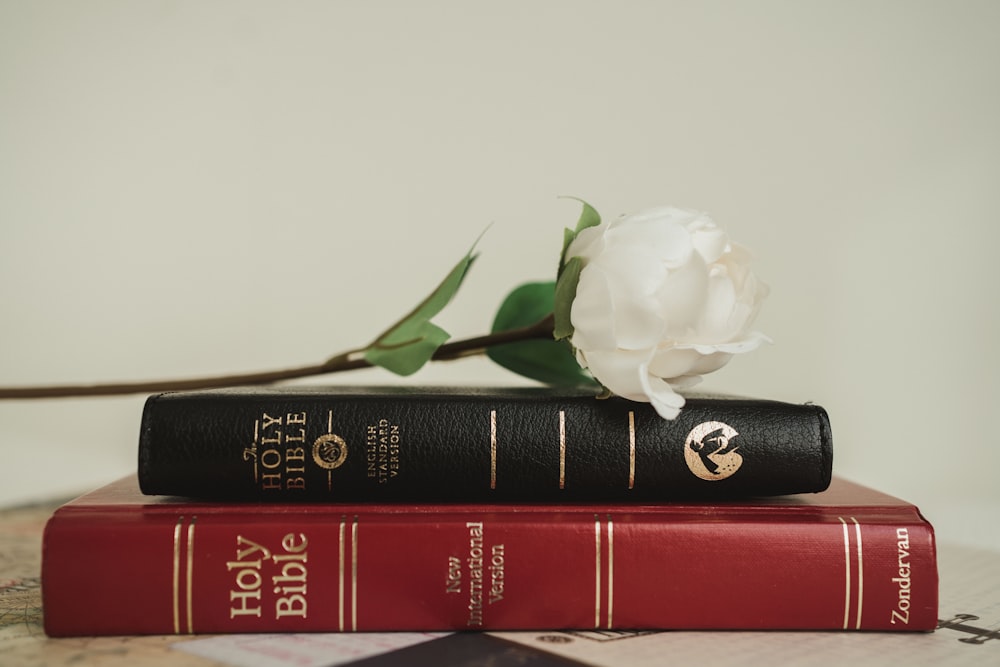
(631, 449)
(847, 573)
(562, 449)
(861, 573)
(611, 572)
(597, 571)
(177, 575)
(340, 606)
(493, 449)
(190, 576)
(354, 575)
(329, 429)
(256, 435)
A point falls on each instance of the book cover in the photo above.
(420, 444)
(116, 562)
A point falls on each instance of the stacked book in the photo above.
(377, 509)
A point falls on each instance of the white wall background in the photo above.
(191, 188)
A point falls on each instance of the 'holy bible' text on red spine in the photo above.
(117, 562)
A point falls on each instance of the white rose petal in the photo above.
(619, 371)
(593, 312)
(663, 298)
(668, 403)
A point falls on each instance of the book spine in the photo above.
(213, 572)
(476, 448)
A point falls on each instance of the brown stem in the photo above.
(342, 362)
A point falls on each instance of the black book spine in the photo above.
(418, 445)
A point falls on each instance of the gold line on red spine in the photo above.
(340, 580)
(190, 576)
(493, 449)
(562, 449)
(354, 575)
(861, 573)
(597, 571)
(611, 572)
(631, 449)
(847, 573)
(177, 575)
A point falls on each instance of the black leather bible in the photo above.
(419, 444)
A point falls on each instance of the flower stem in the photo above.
(342, 362)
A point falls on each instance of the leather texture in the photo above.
(474, 445)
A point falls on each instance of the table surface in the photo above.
(969, 632)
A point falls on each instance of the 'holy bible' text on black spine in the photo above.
(418, 444)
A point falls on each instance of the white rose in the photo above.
(663, 297)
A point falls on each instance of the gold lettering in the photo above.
(903, 582)
(251, 547)
(382, 451)
(293, 605)
(254, 582)
(248, 578)
(270, 459)
(270, 421)
(371, 455)
(297, 455)
(288, 543)
(289, 463)
(293, 571)
(244, 608)
(453, 582)
(394, 439)
(497, 573)
(475, 565)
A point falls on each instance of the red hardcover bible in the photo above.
(851, 558)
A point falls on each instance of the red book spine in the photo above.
(201, 568)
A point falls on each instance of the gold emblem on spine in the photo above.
(329, 451)
(710, 451)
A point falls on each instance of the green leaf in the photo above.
(526, 305)
(411, 342)
(565, 292)
(416, 347)
(545, 360)
(589, 217)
